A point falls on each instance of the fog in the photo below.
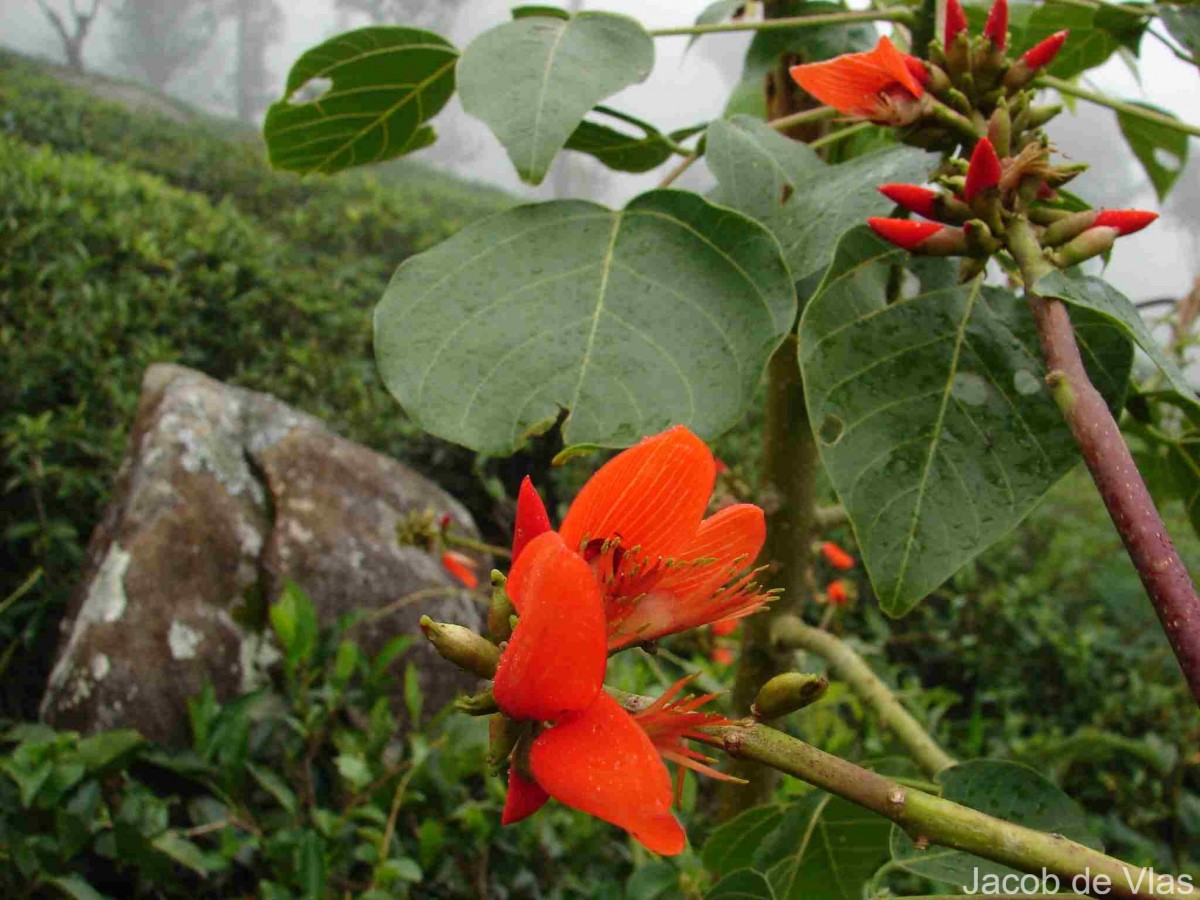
(685, 88)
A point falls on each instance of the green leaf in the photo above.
(76, 887)
(1162, 151)
(932, 416)
(1007, 790)
(186, 853)
(272, 782)
(533, 80)
(102, 750)
(295, 622)
(744, 884)
(712, 14)
(1097, 295)
(1183, 22)
(732, 845)
(840, 848)
(311, 865)
(413, 699)
(525, 12)
(631, 320)
(651, 881)
(386, 83)
(625, 152)
(806, 202)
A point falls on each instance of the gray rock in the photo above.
(224, 495)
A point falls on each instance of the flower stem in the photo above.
(1111, 465)
(466, 543)
(869, 15)
(791, 632)
(1129, 109)
(834, 136)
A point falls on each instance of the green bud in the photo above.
(1091, 243)
(462, 646)
(787, 693)
(957, 100)
(970, 268)
(1040, 115)
(1000, 130)
(1068, 227)
(1060, 175)
(500, 612)
(979, 240)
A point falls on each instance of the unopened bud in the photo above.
(462, 646)
(996, 29)
(979, 240)
(1000, 128)
(787, 693)
(1125, 221)
(503, 734)
(984, 172)
(1021, 72)
(481, 704)
(1040, 115)
(1092, 242)
(925, 238)
(970, 267)
(500, 612)
(956, 22)
(1060, 175)
(926, 202)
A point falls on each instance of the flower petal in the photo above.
(523, 800)
(555, 661)
(601, 762)
(652, 495)
(532, 518)
(462, 567)
(853, 82)
(691, 595)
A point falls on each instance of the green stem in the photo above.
(466, 543)
(835, 136)
(1129, 109)
(791, 632)
(783, 123)
(932, 820)
(869, 15)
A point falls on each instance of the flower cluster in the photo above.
(970, 94)
(634, 560)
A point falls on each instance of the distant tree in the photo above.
(74, 34)
(430, 13)
(258, 26)
(157, 38)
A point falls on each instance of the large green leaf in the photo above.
(1007, 790)
(734, 844)
(631, 320)
(533, 80)
(1183, 21)
(833, 853)
(806, 202)
(1097, 295)
(932, 416)
(385, 84)
(1162, 150)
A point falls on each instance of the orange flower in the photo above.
(462, 567)
(669, 722)
(639, 523)
(883, 85)
(722, 656)
(836, 556)
(594, 757)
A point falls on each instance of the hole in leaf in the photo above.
(1167, 159)
(831, 429)
(311, 91)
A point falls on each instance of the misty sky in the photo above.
(684, 90)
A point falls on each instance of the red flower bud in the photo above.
(956, 21)
(996, 28)
(1042, 54)
(836, 593)
(912, 197)
(462, 567)
(1126, 221)
(984, 170)
(836, 556)
(904, 232)
(725, 627)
